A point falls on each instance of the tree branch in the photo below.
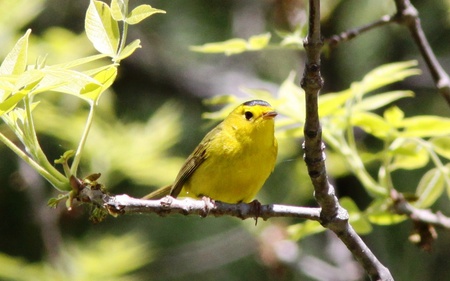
(334, 40)
(332, 215)
(123, 204)
(408, 15)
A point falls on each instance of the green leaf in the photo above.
(63, 81)
(301, 230)
(9, 104)
(330, 103)
(129, 49)
(357, 218)
(101, 29)
(104, 80)
(425, 126)
(372, 124)
(80, 61)
(379, 212)
(258, 42)
(430, 188)
(388, 74)
(229, 47)
(234, 46)
(292, 98)
(394, 116)
(16, 60)
(380, 100)
(408, 154)
(116, 11)
(142, 12)
(441, 145)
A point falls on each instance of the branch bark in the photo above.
(332, 215)
(408, 16)
(124, 204)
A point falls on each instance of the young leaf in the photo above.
(258, 42)
(16, 60)
(372, 124)
(228, 47)
(380, 100)
(442, 146)
(301, 230)
(430, 188)
(11, 102)
(426, 126)
(116, 11)
(101, 29)
(388, 74)
(408, 154)
(104, 79)
(394, 116)
(357, 219)
(129, 49)
(142, 12)
(234, 46)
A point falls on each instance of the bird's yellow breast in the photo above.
(238, 162)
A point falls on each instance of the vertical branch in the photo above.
(333, 216)
(407, 15)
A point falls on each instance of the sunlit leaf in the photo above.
(129, 49)
(301, 230)
(380, 100)
(372, 124)
(425, 126)
(15, 61)
(379, 212)
(116, 11)
(357, 218)
(393, 115)
(441, 145)
(234, 46)
(142, 12)
(292, 99)
(258, 42)
(11, 102)
(430, 188)
(408, 154)
(229, 47)
(388, 74)
(104, 81)
(330, 103)
(101, 29)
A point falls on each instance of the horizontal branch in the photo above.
(124, 204)
(403, 207)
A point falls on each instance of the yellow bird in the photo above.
(233, 160)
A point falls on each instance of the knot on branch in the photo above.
(407, 15)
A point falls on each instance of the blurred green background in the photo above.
(151, 120)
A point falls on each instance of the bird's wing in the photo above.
(194, 161)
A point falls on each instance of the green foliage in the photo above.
(410, 143)
(101, 258)
(21, 82)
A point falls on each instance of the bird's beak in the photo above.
(269, 115)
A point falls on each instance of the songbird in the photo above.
(233, 160)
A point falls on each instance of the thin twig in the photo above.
(403, 207)
(408, 15)
(334, 40)
(333, 216)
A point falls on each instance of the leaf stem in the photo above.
(57, 183)
(87, 127)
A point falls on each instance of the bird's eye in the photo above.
(248, 115)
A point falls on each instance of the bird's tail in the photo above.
(159, 193)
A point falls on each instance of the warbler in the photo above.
(233, 160)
